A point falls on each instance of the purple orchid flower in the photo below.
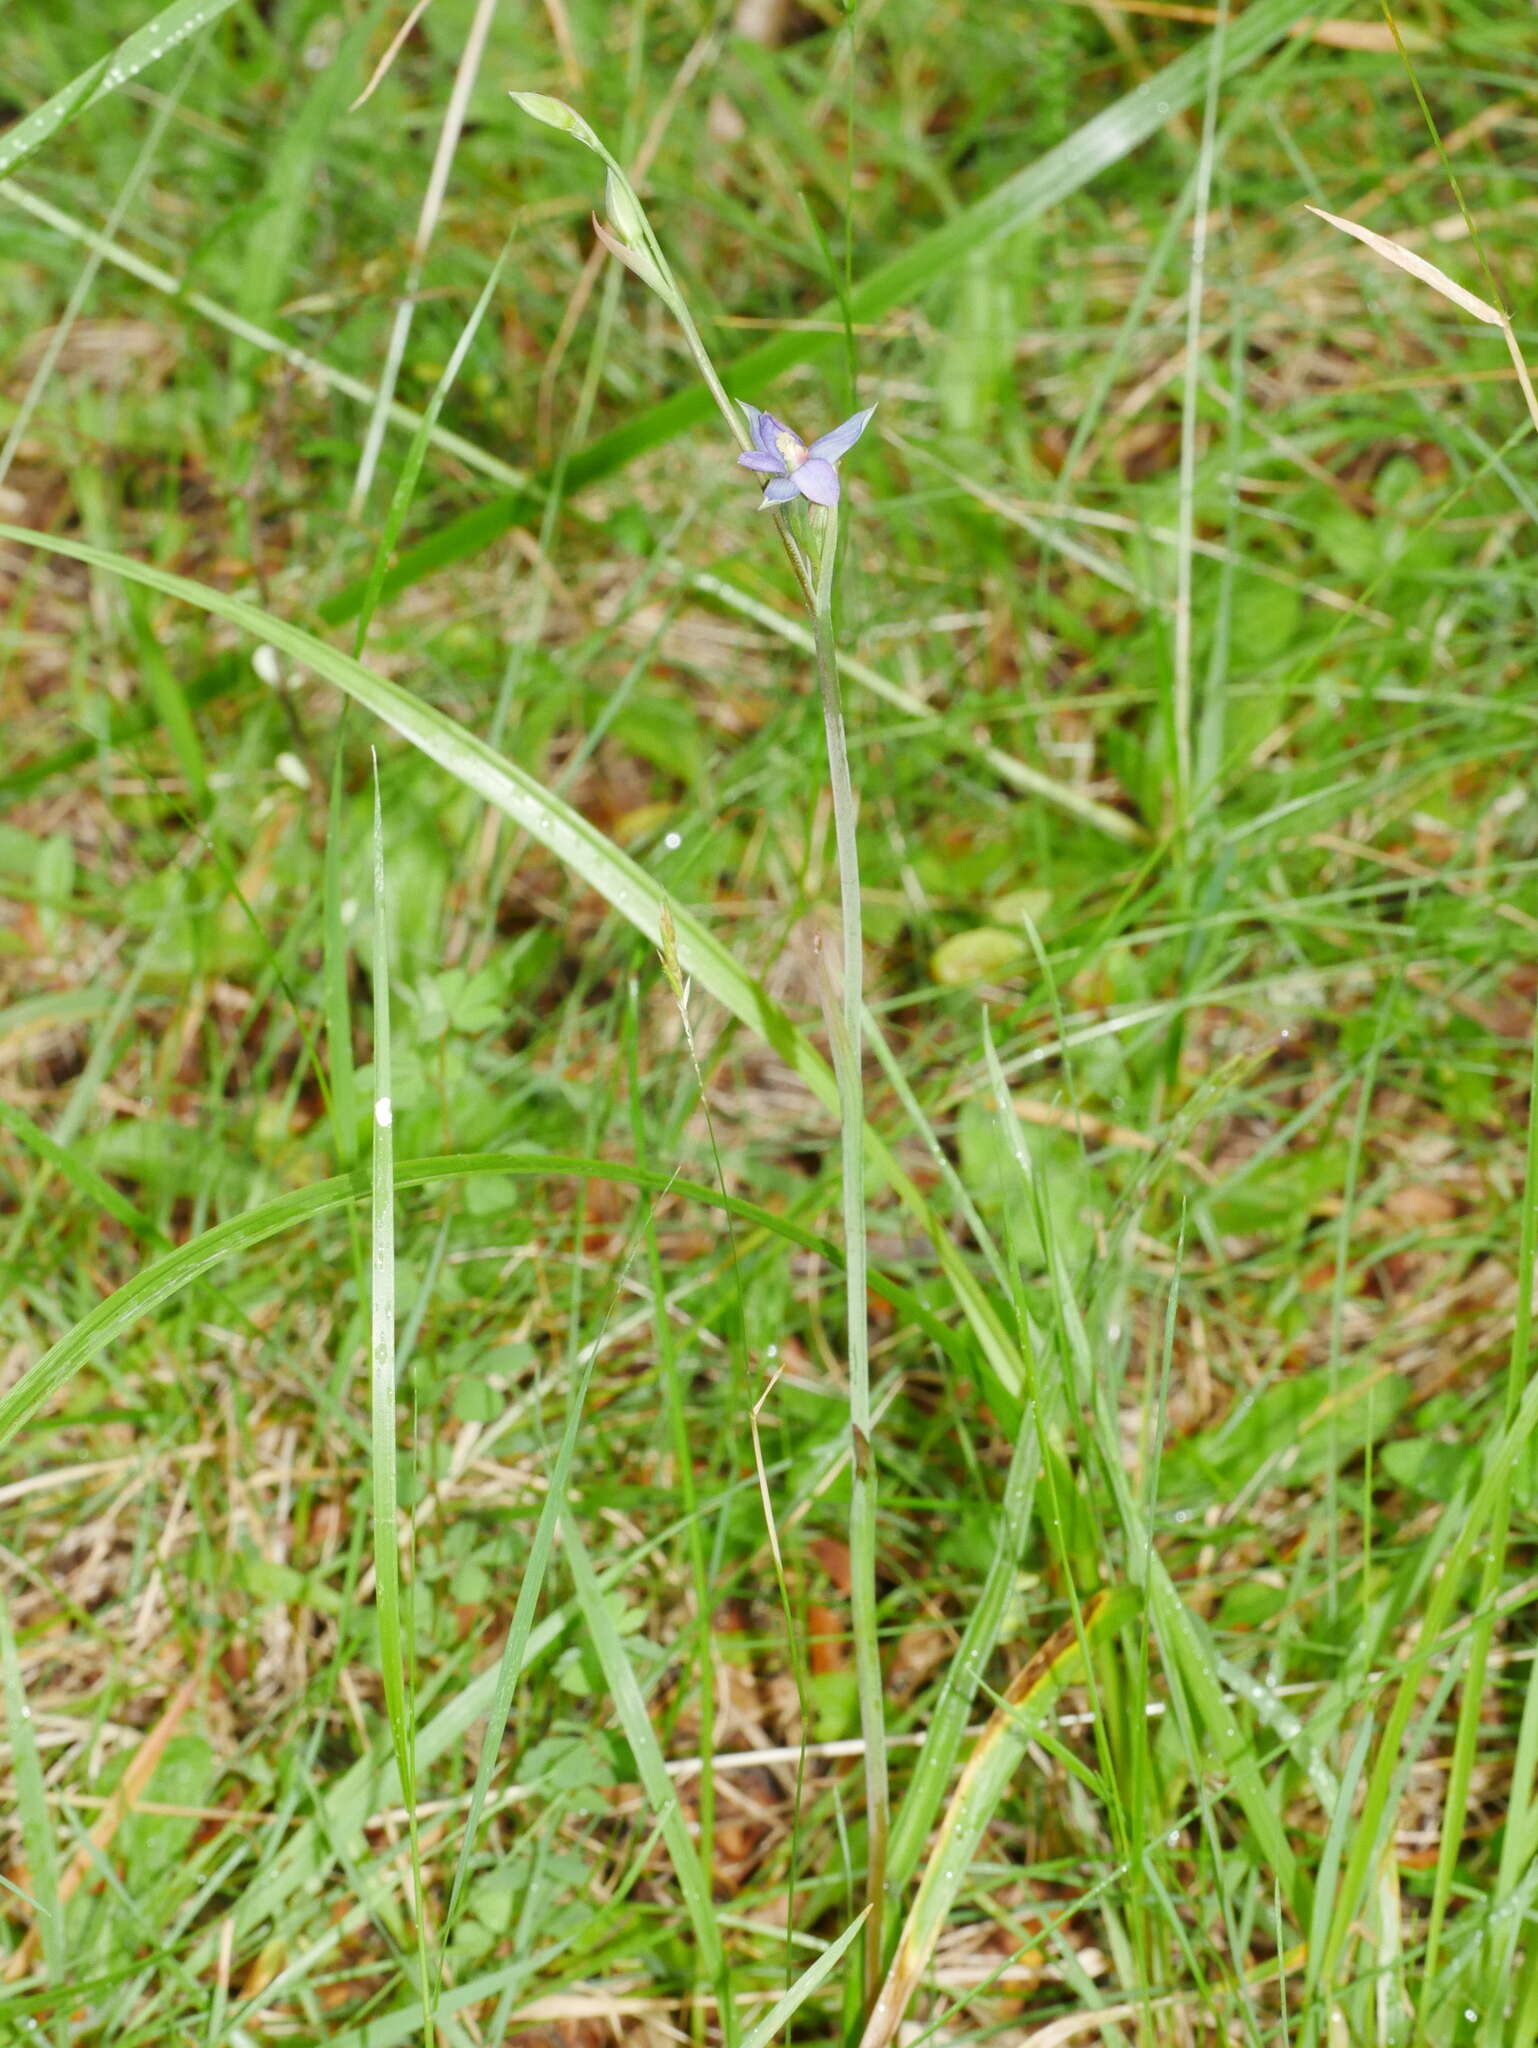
(780, 454)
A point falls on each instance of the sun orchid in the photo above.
(792, 466)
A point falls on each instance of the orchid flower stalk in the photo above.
(796, 470)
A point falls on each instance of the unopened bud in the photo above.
(624, 211)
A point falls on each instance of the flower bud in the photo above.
(624, 211)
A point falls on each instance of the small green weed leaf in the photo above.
(986, 953)
(148, 1843)
(1276, 1192)
(1429, 1467)
(476, 1401)
(1016, 906)
(560, 1763)
(457, 1000)
(1266, 621)
(471, 1585)
(1290, 1431)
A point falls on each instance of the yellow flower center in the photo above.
(792, 449)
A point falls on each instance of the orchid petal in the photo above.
(779, 488)
(768, 465)
(817, 480)
(839, 440)
(756, 429)
(782, 441)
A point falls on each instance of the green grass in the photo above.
(393, 1640)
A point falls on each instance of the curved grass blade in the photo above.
(983, 1783)
(627, 887)
(168, 1276)
(952, 1709)
(134, 54)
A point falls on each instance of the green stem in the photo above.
(851, 1094)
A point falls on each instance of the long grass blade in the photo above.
(146, 46)
(789, 2003)
(179, 1269)
(574, 841)
(384, 1420)
(630, 1705)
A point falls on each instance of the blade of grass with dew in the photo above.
(178, 1269)
(336, 953)
(609, 1648)
(1024, 196)
(385, 1450)
(630, 890)
(789, 2003)
(147, 45)
(989, 1772)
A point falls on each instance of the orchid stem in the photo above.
(851, 1095)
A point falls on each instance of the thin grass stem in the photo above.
(851, 1097)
